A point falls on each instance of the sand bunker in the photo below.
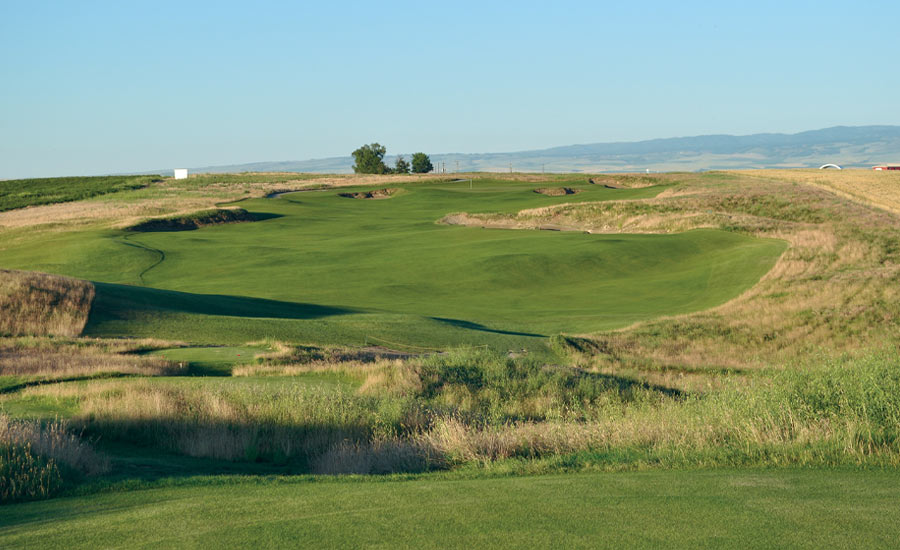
(195, 220)
(557, 191)
(376, 194)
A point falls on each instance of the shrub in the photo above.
(36, 460)
(492, 388)
(25, 475)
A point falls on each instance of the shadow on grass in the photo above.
(150, 448)
(629, 385)
(13, 388)
(208, 368)
(469, 325)
(153, 448)
(124, 302)
(195, 222)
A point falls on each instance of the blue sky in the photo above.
(100, 87)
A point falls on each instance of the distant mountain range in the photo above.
(848, 146)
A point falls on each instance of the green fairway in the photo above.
(322, 268)
(721, 509)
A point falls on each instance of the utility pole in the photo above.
(457, 166)
(510, 168)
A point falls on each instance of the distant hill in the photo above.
(850, 146)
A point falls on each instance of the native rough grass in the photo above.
(37, 359)
(826, 412)
(41, 304)
(877, 188)
(478, 408)
(36, 459)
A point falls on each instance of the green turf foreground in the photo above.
(718, 509)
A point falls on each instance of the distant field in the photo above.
(32, 192)
(878, 188)
(322, 268)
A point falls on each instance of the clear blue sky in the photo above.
(99, 87)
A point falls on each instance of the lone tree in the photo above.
(402, 167)
(369, 159)
(421, 164)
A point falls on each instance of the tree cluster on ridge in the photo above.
(369, 159)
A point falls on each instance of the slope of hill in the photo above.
(853, 146)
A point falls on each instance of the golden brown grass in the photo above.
(871, 187)
(53, 441)
(41, 304)
(36, 458)
(246, 422)
(47, 360)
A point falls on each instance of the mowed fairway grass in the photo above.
(321, 268)
(662, 509)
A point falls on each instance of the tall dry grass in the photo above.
(36, 459)
(871, 187)
(41, 304)
(237, 423)
(481, 408)
(826, 413)
(52, 440)
(74, 361)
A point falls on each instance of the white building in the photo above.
(181, 173)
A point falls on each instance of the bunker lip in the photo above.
(556, 191)
(195, 220)
(606, 184)
(278, 193)
(370, 195)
